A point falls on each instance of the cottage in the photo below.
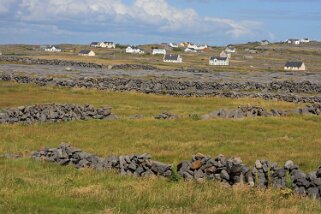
(230, 49)
(305, 40)
(265, 42)
(173, 58)
(224, 54)
(173, 45)
(185, 44)
(52, 49)
(190, 50)
(219, 61)
(294, 41)
(197, 47)
(86, 53)
(295, 66)
(134, 50)
(159, 51)
(109, 45)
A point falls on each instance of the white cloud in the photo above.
(5, 5)
(144, 17)
(233, 28)
(38, 10)
(161, 13)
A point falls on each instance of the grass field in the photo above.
(27, 186)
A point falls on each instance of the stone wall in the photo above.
(232, 171)
(134, 165)
(257, 111)
(53, 113)
(264, 174)
(283, 90)
(27, 60)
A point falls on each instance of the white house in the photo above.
(295, 66)
(52, 49)
(305, 40)
(190, 50)
(230, 49)
(265, 42)
(197, 47)
(109, 45)
(173, 45)
(159, 51)
(219, 61)
(173, 58)
(86, 53)
(224, 54)
(294, 41)
(134, 50)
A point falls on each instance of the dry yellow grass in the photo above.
(28, 186)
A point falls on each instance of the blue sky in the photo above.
(215, 22)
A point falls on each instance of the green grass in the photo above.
(27, 186)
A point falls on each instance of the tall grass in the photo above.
(27, 186)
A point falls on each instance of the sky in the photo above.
(213, 22)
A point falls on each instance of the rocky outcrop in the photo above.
(257, 111)
(53, 113)
(185, 88)
(133, 165)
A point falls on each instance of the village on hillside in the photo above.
(289, 55)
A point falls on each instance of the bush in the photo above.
(177, 49)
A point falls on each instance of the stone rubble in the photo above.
(53, 113)
(166, 116)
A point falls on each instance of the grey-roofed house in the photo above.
(173, 58)
(230, 49)
(265, 42)
(109, 44)
(95, 44)
(86, 53)
(53, 49)
(295, 66)
(219, 61)
(294, 41)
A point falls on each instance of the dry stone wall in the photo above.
(27, 60)
(257, 111)
(53, 113)
(283, 90)
(232, 171)
(264, 174)
(134, 165)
